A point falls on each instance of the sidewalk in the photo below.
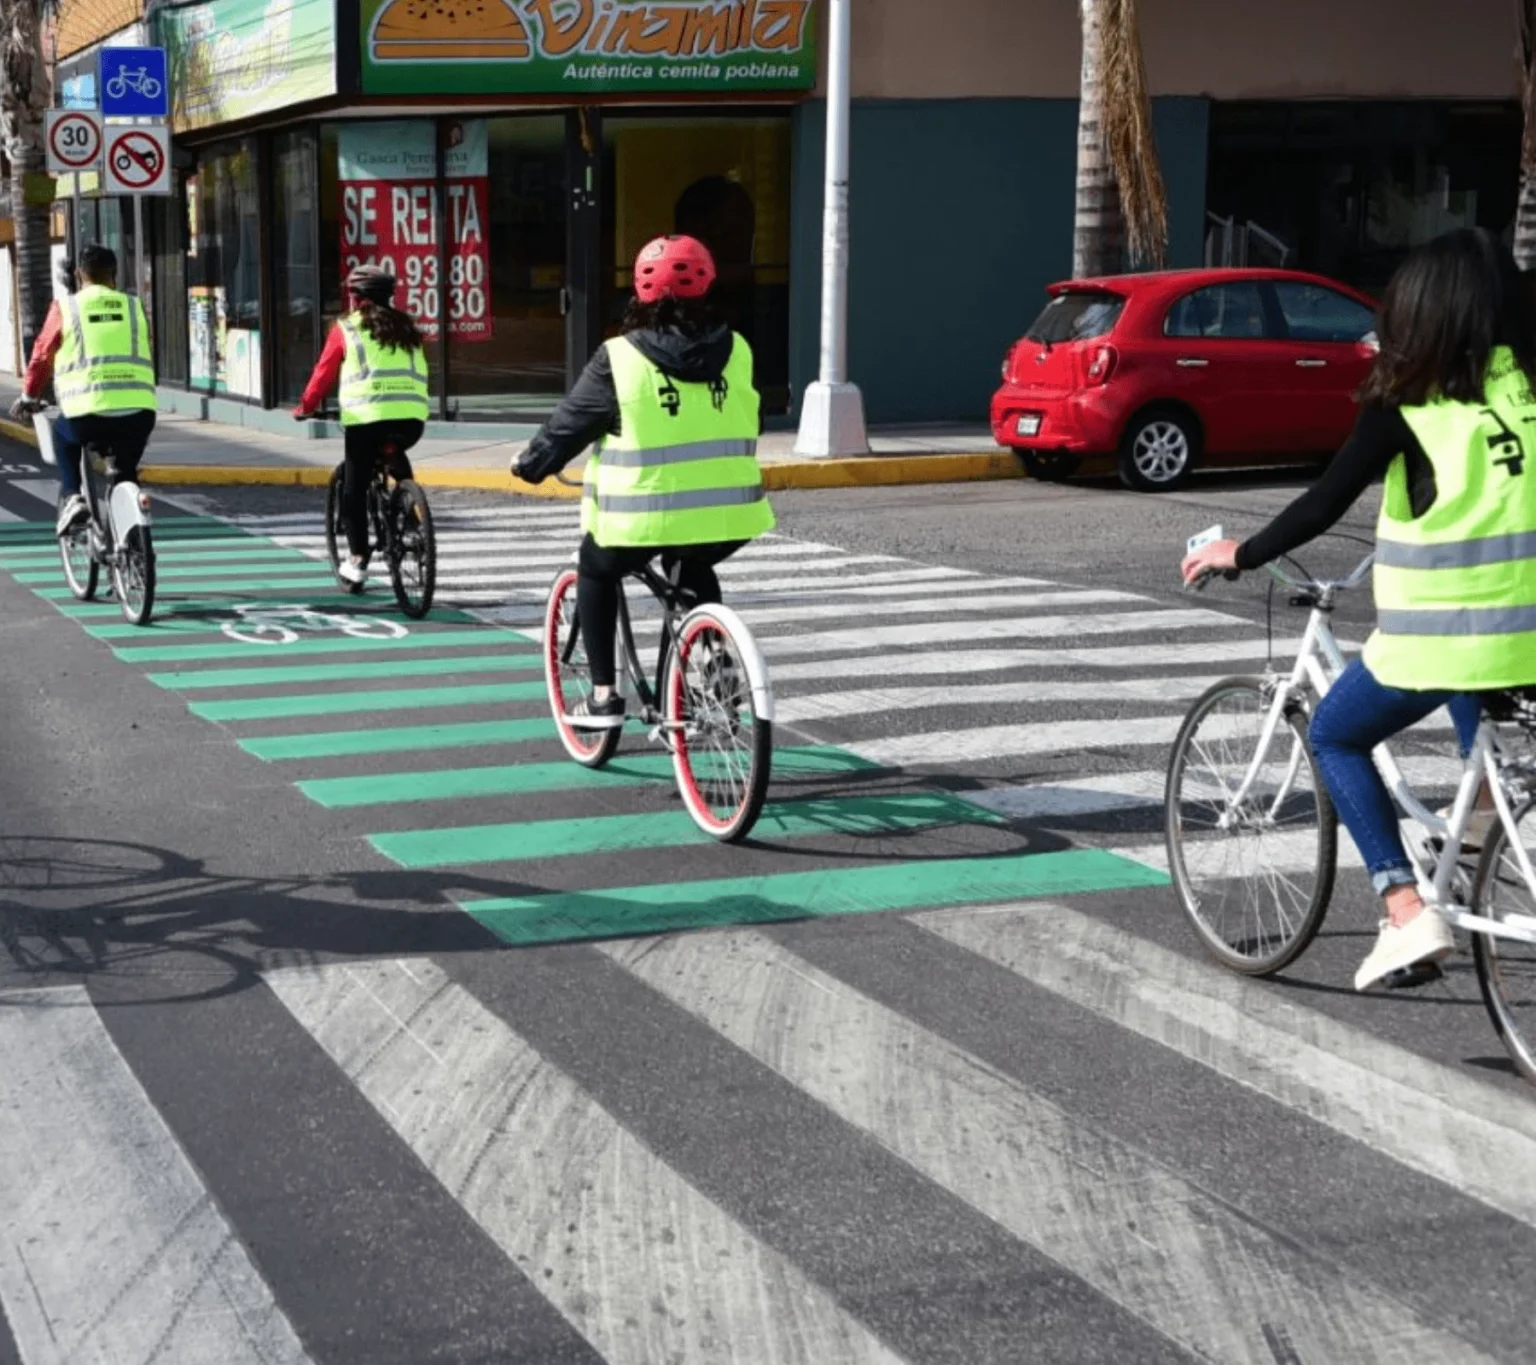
(187, 450)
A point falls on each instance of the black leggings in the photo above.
(361, 445)
(121, 440)
(603, 568)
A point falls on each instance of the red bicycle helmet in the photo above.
(677, 267)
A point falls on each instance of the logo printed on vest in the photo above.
(671, 399)
(1506, 440)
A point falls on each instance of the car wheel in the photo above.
(1049, 466)
(1158, 451)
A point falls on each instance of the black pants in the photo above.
(120, 440)
(603, 569)
(362, 445)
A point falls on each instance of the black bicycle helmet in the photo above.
(371, 282)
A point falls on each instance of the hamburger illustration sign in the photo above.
(514, 47)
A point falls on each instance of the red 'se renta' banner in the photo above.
(387, 219)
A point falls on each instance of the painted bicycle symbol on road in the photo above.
(283, 623)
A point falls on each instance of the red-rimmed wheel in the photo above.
(567, 677)
(722, 750)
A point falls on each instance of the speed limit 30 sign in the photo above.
(138, 159)
(74, 140)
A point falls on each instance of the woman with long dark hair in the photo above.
(1448, 418)
(377, 355)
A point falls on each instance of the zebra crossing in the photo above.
(773, 1141)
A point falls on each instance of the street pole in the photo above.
(832, 415)
(138, 246)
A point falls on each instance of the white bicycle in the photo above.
(1253, 838)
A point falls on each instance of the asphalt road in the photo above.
(343, 1020)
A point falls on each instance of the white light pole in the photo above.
(832, 416)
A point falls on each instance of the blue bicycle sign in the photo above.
(134, 83)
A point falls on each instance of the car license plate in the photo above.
(1028, 425)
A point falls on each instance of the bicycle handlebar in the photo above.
(1306, 583)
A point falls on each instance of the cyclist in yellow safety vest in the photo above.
(95, 349)
(1448, 419)
(673, 411)
(377, 355)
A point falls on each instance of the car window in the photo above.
(1314, 312)
(1077, 315)
(1219, 310)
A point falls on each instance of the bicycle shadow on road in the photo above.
(72, 909)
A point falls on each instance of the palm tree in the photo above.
(24, 97)
(1525, 211)
(1121, 203)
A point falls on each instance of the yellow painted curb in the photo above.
(865, 471)
(17, 432)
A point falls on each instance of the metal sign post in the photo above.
(135, 86)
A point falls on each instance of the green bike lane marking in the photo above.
(511, 779)
(256, 551)
(210, 619)
(393, 740)
(346, 644)
(668, 907)
(512, 661)
(186, 575)
(220, 587)
(531, 839)
(355, 703)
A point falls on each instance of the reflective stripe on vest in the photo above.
(1456, 587)
(683, 468)
(103, 363)
(375, 385)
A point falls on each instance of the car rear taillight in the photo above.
(1102, 365)
(1008, 360)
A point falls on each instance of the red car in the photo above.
(1171, 369)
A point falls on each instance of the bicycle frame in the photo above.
(124, 507)
(1319, 662)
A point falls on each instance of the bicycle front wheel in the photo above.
(1253, 878)
(1506, 967)
(568, 678)
(722, 750)
(133, 576)
(336, 529)
(413, 552)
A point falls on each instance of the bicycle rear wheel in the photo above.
(568, 678)
(336, 528)
(1506, 968)
(722, 750)
(413, 549)
(1254, 882)
(81, 571)
(133, 575)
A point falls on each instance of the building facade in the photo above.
(508, 157)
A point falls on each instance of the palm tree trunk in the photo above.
(24, 98)
(1525, 208)
(1097, 229)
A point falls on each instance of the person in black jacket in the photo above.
(673, 324)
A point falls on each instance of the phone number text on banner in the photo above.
(387, 220)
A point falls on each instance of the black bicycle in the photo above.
(710, 706)
(399, 528)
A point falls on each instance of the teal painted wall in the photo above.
(960, 214)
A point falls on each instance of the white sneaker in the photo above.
(1478, 828)
(352, 571)
(1425, 938)
(71, 514)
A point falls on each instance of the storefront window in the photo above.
(224, 272)
(296, 272)
(506, 335)
(168, 231)
(727, 182)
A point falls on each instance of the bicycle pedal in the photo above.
(1410, 978)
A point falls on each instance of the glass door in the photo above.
(506, 195)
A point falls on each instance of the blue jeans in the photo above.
(1358, 714)
(66, 449)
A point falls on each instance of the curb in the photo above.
(857, 471)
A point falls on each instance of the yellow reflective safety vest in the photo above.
(103, 363)
(683, 468)
(380, 383)
(1456, 587)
